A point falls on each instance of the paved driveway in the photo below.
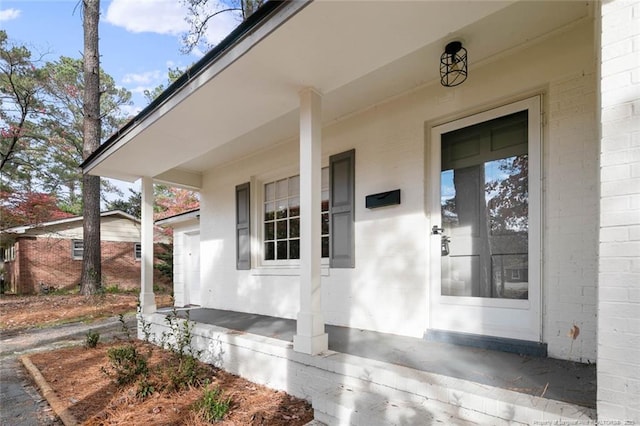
(20, 402)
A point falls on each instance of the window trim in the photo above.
(74, 248)
(137, 257)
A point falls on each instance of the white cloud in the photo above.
(146, 78)
(155, 16)
(197, 52)
(220, 26)
(167, 17)
(130, 110)
(139, 89)
(9, 14)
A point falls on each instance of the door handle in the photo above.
(435, 230)
(444, 245)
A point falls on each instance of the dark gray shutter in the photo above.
(341, 208)
(243, 231)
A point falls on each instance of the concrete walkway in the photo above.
(20, 402)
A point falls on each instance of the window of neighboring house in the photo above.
(77, 247)
(515, 274)
(281, 218)
(9, 253)
(137, 251)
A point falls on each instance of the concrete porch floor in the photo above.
(566, 381)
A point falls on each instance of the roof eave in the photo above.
(259, 17)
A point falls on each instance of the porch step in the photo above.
(348, 405)
(373, 393)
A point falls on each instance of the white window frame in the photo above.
(10, 253)
(137, 251)
(75, 248)
(279, 267)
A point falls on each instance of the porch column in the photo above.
(310, 337)
(147, 298)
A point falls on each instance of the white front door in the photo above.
(485, 223)
(192, 246)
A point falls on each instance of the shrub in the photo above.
(178, 340)
(145, 388)
(211, 405)
(127, 363)
(91, 339)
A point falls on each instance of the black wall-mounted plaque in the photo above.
(382, 199)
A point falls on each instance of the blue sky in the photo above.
(139, 39)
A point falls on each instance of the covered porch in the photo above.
(373, 378)
(300, 83)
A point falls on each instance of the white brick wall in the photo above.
(391, 274)
(619, 264)
(571, 205)
(350, 390)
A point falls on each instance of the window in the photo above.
(77, 247)
(281, 220)
(515, 274)
(9, 253)
(137, 251)
(279, 217)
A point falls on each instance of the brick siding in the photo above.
(571, 222)
(49, 261)
(619, 265)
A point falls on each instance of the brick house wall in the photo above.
(619, 266)
(49, 261)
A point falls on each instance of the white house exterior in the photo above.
(186, 257)
(313, 109)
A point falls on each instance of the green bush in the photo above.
(145, 388)
(211, 405)
(165, 260)
(178, 340)
(127, 363)
(91, 339)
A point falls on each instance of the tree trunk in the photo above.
(91, 262)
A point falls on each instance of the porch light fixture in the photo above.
(453, 64)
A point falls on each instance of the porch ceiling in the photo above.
(355, 53)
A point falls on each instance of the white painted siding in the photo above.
(619, 267)
(571, 204)
(112, 228)
(388, 289)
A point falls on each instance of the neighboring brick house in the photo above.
(49, 254)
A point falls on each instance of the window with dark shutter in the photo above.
(243, 232)
(341, 209)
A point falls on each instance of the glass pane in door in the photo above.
(484, 208)
(506, 196)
